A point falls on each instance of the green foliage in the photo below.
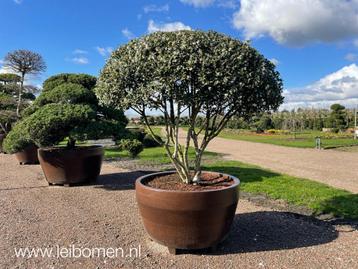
(28, 96)
(338, 117)
(71, 110)
(7, 102)
(227, 74)
(135, 133)
(52, 123)
(100, 128)
(134, 147)
(67, 93)
(14, 89)
(18, 138)
(150, 142)
(7, 118)
(7, 112)
(10, 78)
(10, 88)
(265, 123)
(85, 80)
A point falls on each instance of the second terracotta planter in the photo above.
(79, 165)
(186, 219)
(28, 155)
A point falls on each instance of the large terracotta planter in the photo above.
(28, 155)
(186, 219)
(2, 136)
(63, 166)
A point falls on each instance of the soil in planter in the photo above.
(208, 181)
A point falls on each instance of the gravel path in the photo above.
(106, 215)
(336, 168)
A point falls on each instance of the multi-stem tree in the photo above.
(193, 74)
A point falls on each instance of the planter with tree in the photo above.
(189, 73)
(67, 111)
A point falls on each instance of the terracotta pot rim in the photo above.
(140, 183)
(64, 149)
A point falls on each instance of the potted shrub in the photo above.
(71, 112)
(7, 114)
(18, 142)
(193, 74)
(9, 88)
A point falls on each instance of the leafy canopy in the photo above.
(190, 73)
(10, 78)
(85, 80)
(206, 71)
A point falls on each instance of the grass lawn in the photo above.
(318, 197)
(302, 140)
(152, 155)
(303, 192)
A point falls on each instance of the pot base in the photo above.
(65, 184)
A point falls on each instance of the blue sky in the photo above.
(314, 43)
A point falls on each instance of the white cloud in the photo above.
(104, 51)
(338, 87)
(198, 3)
(298, 22)
(4, 69)
(352, 57)
(128, 34)
(275, 61)
(156, 8)
(79, 51)
(80, 60)
(166, 27)
(18, 2)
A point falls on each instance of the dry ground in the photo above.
(335, 168)
(106, 215)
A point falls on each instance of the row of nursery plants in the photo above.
(183, 73)
(67, 109)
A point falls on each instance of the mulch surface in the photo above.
(208, 181)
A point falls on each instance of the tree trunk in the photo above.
(71, 143)
(19, 102)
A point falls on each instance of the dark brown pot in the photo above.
(28, 155)
(186, 219)
(64, 166)
(2, 137)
